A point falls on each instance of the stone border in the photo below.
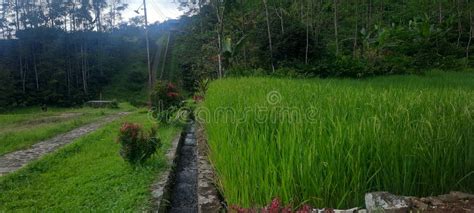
(161, 188)
(209, 198)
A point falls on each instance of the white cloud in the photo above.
(158, 10)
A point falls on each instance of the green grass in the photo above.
(24, 127)
(410, 135)
(88, 175)
(122, 88)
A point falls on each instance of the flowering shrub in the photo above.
(165, 95)
(165, 100)
(137, 146)
(274, 207)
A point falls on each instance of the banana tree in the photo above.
(230, 49)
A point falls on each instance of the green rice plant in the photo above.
(327, 142)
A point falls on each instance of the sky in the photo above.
(158, 10)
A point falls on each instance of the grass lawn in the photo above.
(87, 175)
(326, 142)
(24, 127)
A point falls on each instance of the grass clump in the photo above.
(327, 142)
(88, 175)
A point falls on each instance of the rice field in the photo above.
(326, 142)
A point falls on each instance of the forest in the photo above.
(64, 53)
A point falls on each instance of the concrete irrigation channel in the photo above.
(188, 186)
(184, 194)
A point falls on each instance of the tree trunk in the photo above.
(36, 71)
(269, 34)
(166, 55)
(279, 13)
(458, 43)
(307, 36)
(68, 73)
(382, 11)
(22, 76)
(244, 49)
(335, 27)
(307, 44)
(318, 23)
(440, 12)
(84, 70)
(369, 14)
(471, 34)
(356, 30)
(220, 29)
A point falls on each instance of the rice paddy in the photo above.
(326, 142)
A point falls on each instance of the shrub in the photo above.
(137, 146)
(244, 71)
(165, 96)
(166, 99)
(285, 72)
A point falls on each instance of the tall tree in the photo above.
(267, 17)
(336, 34)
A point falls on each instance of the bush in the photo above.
(165, 101)
(137, 146)
(165, 96)
(244, 71)
(285, 72)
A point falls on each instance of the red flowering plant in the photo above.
(137, 146)
(165, 100)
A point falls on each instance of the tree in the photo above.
(267, 17)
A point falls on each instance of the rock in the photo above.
(189, 142)
(435, 201)
(353, 210)
(386, 202)
(462, 195)
(419, 205)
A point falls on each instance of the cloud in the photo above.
(158, 10)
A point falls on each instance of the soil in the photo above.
(452, 202)
(16, 160)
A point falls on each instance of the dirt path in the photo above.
(16, 160)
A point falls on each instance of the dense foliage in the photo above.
(51, 66)
(66, 52)
(353, 38)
